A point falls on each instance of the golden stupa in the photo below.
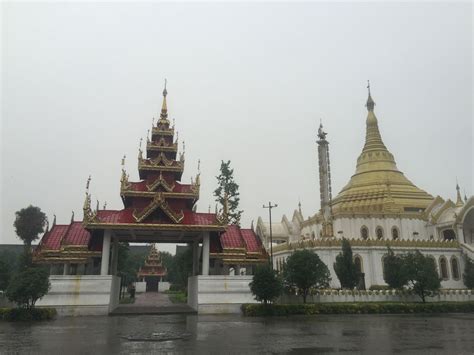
(378, 187)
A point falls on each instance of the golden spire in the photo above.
(164, 107)
(373, 140)
(377, 177)
(459, 201)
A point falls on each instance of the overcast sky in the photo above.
(246, 82)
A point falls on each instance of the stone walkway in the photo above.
(152, 299)
(152, 303)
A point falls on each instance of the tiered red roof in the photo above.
(159, 200)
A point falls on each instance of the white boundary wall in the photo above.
(78, 295)
(219, 293)
(323, 296)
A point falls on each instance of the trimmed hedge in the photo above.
(257, 310)
(23, 314)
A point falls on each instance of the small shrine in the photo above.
(152, 272)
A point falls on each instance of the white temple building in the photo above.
(378, 207)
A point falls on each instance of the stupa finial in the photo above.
(164, 106)
(370, 102)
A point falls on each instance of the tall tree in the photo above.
(304, 270)
(266, 286)
(345, 267)
(393, 271)
(29, 222)
(468, 275)
(227, 193)
(421, 275)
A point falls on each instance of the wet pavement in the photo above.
(234, 334)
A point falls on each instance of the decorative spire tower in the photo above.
(459, 201)
(325, 182)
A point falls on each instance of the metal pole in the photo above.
(270, 206)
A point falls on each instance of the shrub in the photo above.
(28, 286)
(345, 267)
(257, 310)
(304, 270)
(176, 288)
(179, 297)
(266, 286)
(24, 314)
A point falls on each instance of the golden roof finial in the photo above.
(123, 160)
(72, 217)
(459, 201)
(152, 121)
(148, 136)
(54, 219)
(370, 102)
(164, 107)
(299, 207)
(97, 206)
(199, 166)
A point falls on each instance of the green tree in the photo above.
(168, 261)
(29, 222)
(345, 267)
(468, 275)
(129, 263)
(182, 267)
(304, 270)
(266, 285)
(5, 275)
(227, 193)
(28, 286)
(421, 275)
(393, 271)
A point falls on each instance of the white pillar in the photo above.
(113, 266)
(195, 258)
(104, 266)
(205, 254)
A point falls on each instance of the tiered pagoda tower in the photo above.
(160, 197)
(153, 270)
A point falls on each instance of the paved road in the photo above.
(234, 334)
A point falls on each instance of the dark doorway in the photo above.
(152, 283)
